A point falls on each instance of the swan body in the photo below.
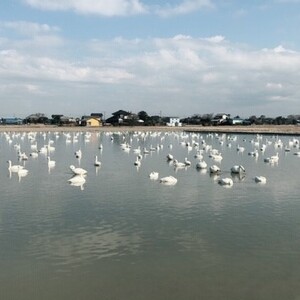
(22, 155)
(169, 180)
(170, 157)
(226, 181)
(78, 171)
(153, 175)
(237, 169)
(178, 164)
(187, 162)
(201, 165)
(260, 179)
(137, 162)
(214, 169)
(14, 168)
(51, 163)
(240, 148)
(22, 172)
(78, 153)
(77, 179)
(34, 154)
(272, 159)
(253, 153)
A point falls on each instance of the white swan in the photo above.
(187, 162)
(240, 148)
(216, 156)
(137, 162)
(14, 168)
(253, 153)
(78, 171)
(226, 181)
(237, 169)
(168, 180)
(97, 163)
(201, 165)
(22, 173)
(137, 150)
(77, 179)
(51, 163)
(153, 175)
(214, 169)
(34, 154)
(78, 153)
(260, 179)
(22, 155)
(178, 164)
(272, 159)
(199, 155)
(170, 157)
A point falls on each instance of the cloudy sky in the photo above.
(177, 57)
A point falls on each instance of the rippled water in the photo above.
(121, 235)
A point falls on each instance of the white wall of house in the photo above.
(174, 122)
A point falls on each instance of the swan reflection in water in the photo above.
(77, 180)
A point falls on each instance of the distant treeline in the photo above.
(142, 118)
(209, 120)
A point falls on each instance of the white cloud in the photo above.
(29, 28)
(185, 7)
(207, 74)
(119, 7)
(274, 86)
(96, 7)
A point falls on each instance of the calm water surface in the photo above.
(121, 235)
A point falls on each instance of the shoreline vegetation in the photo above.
(252, 129)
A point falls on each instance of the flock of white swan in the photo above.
(197, 144)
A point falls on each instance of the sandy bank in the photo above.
(266, 129)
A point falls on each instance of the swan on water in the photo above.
(168, 180)
(77, 179)
(170, 157)
(272, 159)
(214, 169)
(51, 163)
(22, 173)
(14, 168)
(253, 153)
(137, 162)
(78, 154)
(78, 171)
(226, 181)
(97, 163)
(237, 169)
(34, 154)
(187, 162)
(201, 165)
(240, 148)
(260, 179)
(178, 164)
(153, 175)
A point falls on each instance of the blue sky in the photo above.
(178, 57)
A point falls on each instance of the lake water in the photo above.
(121, 235)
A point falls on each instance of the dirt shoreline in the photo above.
(261, 129)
